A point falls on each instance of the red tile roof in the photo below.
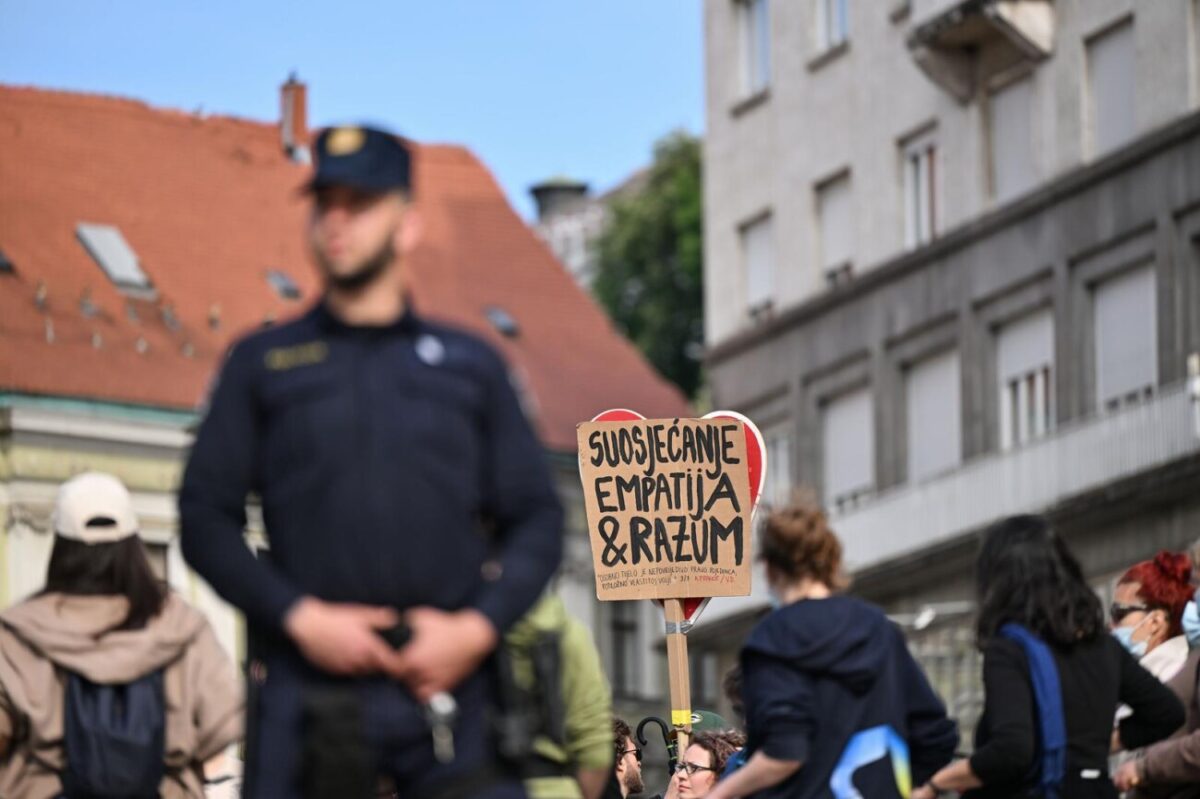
(209, 204)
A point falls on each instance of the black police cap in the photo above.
(361, 158)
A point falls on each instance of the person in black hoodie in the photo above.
(835, 704)
(1028, 578)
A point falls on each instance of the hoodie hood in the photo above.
(840, 638)
(69, 630)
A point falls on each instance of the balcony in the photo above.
(1069, 463)
(962, 44)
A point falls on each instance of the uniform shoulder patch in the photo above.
(282, 358)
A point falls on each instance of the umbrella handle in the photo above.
(668, 740)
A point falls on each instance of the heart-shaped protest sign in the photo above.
(756, 468)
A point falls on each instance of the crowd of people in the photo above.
(1079, 702)
(403, 639)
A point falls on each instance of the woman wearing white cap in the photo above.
(109, 683)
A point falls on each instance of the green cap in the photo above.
(707, 721)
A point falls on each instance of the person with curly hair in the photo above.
(702, 763)
(835, 703)
(627, 771)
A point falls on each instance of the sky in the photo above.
(536, 88)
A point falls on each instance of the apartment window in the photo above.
(779, 468)
(848, 441)
(1025, 376)
(758, 256)
(836, 223)
(1125, 315)
(1111, 87)
(932, 389)
(920, 190)
(833, 23)
(1010, 133)
(754, 42)
(623, 627)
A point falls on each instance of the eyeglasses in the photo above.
(637, 754)
(691, 768)
(1117, 612)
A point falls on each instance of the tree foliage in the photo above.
(649, 268)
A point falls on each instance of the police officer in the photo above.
(382, 446)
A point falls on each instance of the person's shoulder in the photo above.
(463, 347)
(999, 646)
(277, 342)
(860, 609)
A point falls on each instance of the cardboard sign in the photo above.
(668, 507)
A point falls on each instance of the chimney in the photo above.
(557, 195)
(293, 122)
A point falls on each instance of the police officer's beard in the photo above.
(366, 274)
(633, 782)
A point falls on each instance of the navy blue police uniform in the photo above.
(378, 454)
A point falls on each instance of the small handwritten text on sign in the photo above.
(668, 507)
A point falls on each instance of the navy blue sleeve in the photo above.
(521, 501)
(932, 736)
(212, 501)
(1007, 756)
(779, 707)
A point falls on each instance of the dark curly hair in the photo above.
(621, 734)
(1026, 574)
(797, 542)
(720, 745)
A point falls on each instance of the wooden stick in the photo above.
(678, 674)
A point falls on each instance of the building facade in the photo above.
(953, 272)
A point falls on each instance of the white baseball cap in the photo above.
(94, 508)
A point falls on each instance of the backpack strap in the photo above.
(1047, 694)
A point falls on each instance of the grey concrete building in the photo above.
(953, 272)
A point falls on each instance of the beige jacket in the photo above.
(41, 637)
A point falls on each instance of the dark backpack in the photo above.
(526, 711)
(114, 738)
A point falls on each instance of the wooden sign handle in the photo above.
(678, 674)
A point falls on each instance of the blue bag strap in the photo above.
(1047, 694)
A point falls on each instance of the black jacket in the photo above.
(831, 683)
(377, 453)
(1095, 677)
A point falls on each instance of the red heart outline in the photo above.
(756, 468)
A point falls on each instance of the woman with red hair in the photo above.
(1147, 617)
(1147, 612)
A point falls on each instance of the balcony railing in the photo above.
(1069, 462)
